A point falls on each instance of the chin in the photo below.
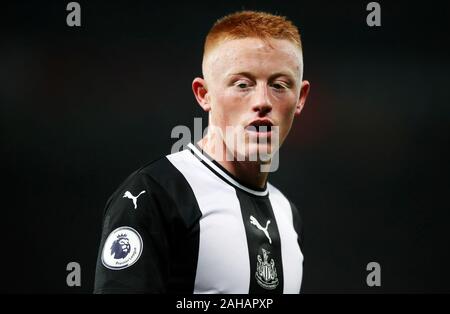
(258, 152)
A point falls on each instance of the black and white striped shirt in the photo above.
(183, 224)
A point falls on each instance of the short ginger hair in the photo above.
(254, 24)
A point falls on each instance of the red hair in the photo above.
(252, 24)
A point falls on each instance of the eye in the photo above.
(279, 86)
(242, 85)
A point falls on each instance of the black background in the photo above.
(367, 161)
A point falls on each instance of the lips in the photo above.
(260, 126)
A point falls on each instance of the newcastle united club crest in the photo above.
(266, 272)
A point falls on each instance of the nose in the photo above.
(262, 104)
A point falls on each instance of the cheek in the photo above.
(227, 107)
(286, 113)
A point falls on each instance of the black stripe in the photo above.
(298, 224)
(184, 225)
(257, 243)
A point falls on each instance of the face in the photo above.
(252, 90)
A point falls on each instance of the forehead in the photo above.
(254, 55)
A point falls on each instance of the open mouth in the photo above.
(260, 126)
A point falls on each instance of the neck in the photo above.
(249, 172)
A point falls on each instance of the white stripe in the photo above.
(291, 253)
(223, 264)
(226, 176)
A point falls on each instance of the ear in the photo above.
(201, 93)
(304, 91)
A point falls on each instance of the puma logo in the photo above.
(131, 197)
(255, 222)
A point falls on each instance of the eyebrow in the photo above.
(250, 75)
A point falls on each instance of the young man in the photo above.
(205, 220)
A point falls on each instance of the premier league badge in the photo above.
(122, 248)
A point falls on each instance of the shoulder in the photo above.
(163, 187)
(275, 193)
(164, 170)
(156, 174)
(277, 196)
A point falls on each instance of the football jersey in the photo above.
(184, 224)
